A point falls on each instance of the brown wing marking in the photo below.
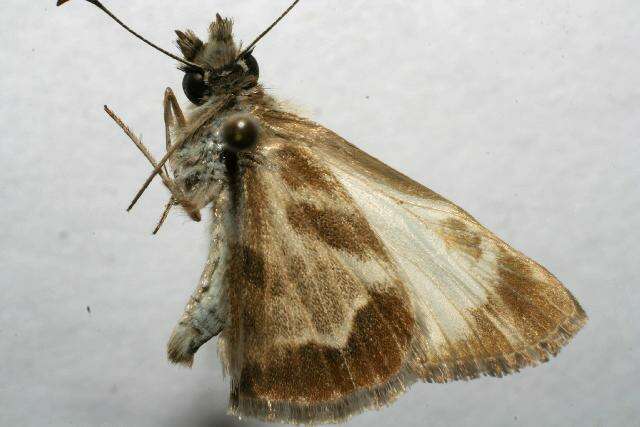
(310, 337)
(311, 378)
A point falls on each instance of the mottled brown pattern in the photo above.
(314, 373)
(349, 232)
(536, 307)
(250, 273)
(300, 171)
(322, 300)
(248, 265)
(307, 290)
(492, 342)
(459, 237)
(273, 291)
(256, 203)
(288, 301)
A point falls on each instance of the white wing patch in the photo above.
(441, 288)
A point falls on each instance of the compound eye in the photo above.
(195, 87)
(240, 132)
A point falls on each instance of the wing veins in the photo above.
(395, 199)
(452, 303)
(501, 244)
(437, 322)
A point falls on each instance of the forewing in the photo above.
(480, 306)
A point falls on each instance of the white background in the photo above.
(524, 113)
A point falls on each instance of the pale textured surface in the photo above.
(524, 113)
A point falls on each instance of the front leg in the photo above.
(172, 109)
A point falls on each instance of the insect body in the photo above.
(333, 281)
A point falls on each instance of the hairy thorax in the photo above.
(200, 166)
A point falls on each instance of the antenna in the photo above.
(115, 18)
(249, 48)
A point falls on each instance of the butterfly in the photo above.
(333, 282)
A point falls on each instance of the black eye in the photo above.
(194, 87)
(239, 132)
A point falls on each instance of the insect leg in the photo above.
(165, 214)
(143, 149)
(175, 191)
(172, 109)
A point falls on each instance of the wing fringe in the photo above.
(383, 395)
(499, 366)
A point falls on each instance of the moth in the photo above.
(333, 282)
